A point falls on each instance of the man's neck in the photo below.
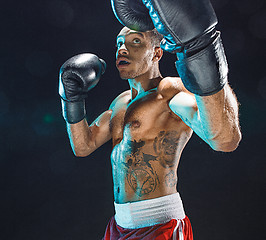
(144, 83)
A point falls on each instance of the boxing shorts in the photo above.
(161, 218)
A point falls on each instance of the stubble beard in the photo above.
(133, 74)
(127, 75)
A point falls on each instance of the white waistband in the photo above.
(149, 212)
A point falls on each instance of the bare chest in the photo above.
(140, 118)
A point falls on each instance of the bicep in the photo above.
(85, 139)
(184, 105)
(100, 129)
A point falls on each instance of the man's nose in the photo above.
(122, 50)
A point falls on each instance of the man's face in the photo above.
(134, 53)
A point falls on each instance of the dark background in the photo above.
(47, 193)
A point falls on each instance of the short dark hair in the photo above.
(156, 37)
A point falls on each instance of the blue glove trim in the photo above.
(169, 43)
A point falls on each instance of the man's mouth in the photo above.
(122, 62)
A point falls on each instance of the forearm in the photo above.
(218, 115)
(77, 76)
(80, 138)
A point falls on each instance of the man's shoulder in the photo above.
(122, 97)
(170, 86)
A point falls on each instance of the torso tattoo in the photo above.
(141, 176)
(141, 164)
(148, 141)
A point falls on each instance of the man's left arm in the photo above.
(189, 30)
(214, 118)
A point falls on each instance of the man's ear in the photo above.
(158, 53)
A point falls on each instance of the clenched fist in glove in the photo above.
(77, 76)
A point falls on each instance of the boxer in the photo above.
(151, 123)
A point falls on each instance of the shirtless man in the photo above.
(149, 126)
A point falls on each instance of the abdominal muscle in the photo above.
(145, 169)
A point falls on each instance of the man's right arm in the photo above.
(78, 75)
(85, 139)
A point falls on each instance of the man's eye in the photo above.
(136, 40)
(119, 44)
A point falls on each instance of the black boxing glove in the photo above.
(133, 14)
(189, 31)
(77, 76)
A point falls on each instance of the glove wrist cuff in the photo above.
(73, 112)
(204, 73)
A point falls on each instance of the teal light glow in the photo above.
(48, 118)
